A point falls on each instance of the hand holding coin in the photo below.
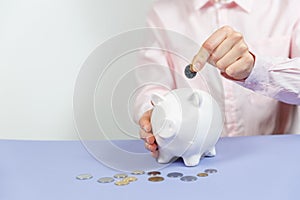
(226, 50)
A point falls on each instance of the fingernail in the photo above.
(196, 67)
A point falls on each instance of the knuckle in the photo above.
(243, 48)
(209, 46)
(220, 65)
(227, 29)
(142, 121)
(231, 72)
(237, 36)
(248, 59)
(214, 58)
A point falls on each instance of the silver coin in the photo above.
(188, 178)
(84, 176)
(120, 175)
(210, 171)
(105, 180)
(138, 172)
(154, 173)
(188, 73)
(174, 175)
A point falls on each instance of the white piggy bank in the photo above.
(186, 123)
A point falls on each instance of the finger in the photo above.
(145, 122)
(241, 69)
(155, 154)
(150, 139)
(232, 56)
(225, 47)
(151, 147)
(145, 135)
(209, 46)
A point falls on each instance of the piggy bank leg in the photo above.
(211, 152)
(191, 160)
(164, 157)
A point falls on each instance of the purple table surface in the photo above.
(259, 167)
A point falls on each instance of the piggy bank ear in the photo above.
(168, 130)
(196, 99)
(156, 99)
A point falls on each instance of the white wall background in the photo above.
(42, 46)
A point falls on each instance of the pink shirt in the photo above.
(271, 28)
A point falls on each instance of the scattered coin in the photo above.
(84, 176)
(153, 173)
(174, 175)
(188, 178)
(156, 179)
(121, 183)
(120, 175)
(130, 179)
(202, 174)
(210, 171)
(138, 172)
(105, 180)
(188, 73)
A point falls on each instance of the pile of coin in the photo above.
(122, 179)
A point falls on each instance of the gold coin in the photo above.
(202, 174)
(153, 173)
(121, 183)
(120, 175)
(130, 179)
(138, 172)
(156, 179)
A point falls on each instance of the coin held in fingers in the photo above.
(188, 72)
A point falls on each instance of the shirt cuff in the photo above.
(259, 76)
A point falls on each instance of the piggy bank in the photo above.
(186, 123)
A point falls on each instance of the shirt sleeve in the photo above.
(278, 78)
